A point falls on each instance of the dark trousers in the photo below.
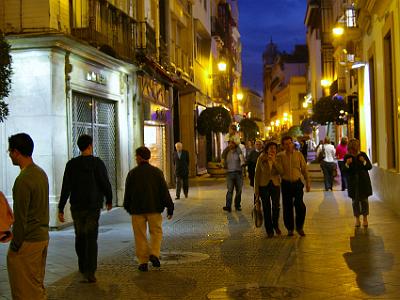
(360, 206)
(179, 182)
(292, 196)
(86, 224)
(327, 169)
(270, 199)
(343, 174)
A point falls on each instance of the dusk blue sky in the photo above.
(259, 20)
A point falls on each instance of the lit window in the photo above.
(351, 17)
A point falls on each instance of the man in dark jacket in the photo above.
(86, 184)
(146, 196)
(251, 160)
(181, 162)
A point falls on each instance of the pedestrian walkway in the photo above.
(211, 254)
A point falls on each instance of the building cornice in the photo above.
(68, 44)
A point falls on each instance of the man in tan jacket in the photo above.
(292, 168)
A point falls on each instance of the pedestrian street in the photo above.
(208, 253)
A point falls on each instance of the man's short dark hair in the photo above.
(285, 138)
(84, 141)
(270, 144)
(21, 142)
(143, 152)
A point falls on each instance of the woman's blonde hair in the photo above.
(353, 146)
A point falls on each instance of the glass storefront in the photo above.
(154, 137)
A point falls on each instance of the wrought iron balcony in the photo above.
(146, 39)
(106, 27)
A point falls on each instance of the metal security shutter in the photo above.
(96, 117)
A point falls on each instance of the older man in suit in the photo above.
(181, 162)
(267, 187)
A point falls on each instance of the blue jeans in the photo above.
(234, 180)
(86, 224)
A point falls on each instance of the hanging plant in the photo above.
(328, 110)
(5, 76)
(214, 119)
(249, 128)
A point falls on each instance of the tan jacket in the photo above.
(264, 174)
(292, 166)
(6, 219)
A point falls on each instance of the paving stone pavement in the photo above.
(211, 254)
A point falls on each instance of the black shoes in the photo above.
(270, 235)
(290, 233)
(301, 232)
(278, 231)
(91, 278)
(238, 208)
(226, 208)
(186, 195)
(143, 267)
(177, 198)
(155, 261)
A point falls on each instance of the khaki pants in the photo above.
(143, 248)
(26, 269)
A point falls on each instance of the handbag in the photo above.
(257, 214)
(321, 155)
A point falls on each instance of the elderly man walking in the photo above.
(181, 163)
(146, 197)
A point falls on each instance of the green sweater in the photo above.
(31, 207)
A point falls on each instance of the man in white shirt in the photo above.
(328, 164)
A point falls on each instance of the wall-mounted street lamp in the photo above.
(326, 83)
(239, 96)
(338, 31)
(222, 66)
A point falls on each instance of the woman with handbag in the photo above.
(357, 165)
(267, 187)
(328, 165)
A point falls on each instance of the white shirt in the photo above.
(330, 152)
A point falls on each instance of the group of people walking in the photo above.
(86, 185)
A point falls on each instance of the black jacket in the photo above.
(181, 164)
(85, 183)
(359, 182)
(146, 191)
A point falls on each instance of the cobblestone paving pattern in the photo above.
(210, 254)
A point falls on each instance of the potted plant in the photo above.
(212, 122)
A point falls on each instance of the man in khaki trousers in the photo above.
(146, 197)
(26, 258)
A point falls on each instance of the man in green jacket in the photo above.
(26, 258)
(146, 197)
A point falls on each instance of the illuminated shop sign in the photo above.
(96, 77)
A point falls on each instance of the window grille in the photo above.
(96, 117)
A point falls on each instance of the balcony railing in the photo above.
(146, 38)
(106, 27)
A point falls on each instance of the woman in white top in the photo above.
(328, 164)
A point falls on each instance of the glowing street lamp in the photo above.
(239, 96)
(338, 31)
(326, 83)
(222, 66)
